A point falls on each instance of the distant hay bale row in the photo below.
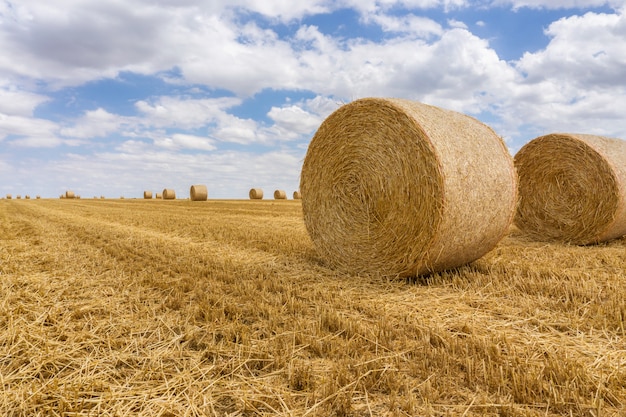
(257, 194)
(572, 188)
(399, 188)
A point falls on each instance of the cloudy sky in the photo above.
(119, 96)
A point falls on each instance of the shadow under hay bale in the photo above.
(572, 188)
(399, 188)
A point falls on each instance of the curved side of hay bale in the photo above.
(198, 193)
(27, 197)
(572, 188)
(168, 194)
(159, 196)
(256, 194)
(297, 195)
(9, 196)
(147, 195)
(280, 195)
(38, 197)
(19, 197)
(69, 194)
(400, 188)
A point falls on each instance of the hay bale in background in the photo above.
(198, 193)
(572, 188)
(169, 194)
(9, 196)
(27, 197)
(147, 195)
(256, 194)
(38, 197)
(297, 195)
(280, 195)
(159, 196)
(19, 197)
(69, 194)
(399, 188)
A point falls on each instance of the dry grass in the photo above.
(118, 308)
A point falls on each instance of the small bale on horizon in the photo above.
(198, 193)
(169, 194)
(147, 195)
(256, 194)
(297, 195)
(9, 196)
(69, 194)
(280, 195)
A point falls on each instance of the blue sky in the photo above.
(114, 98)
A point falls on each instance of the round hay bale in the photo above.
(69, 194)
(9, 196)
(280, 195)
(169, 194)
(297, 195)
(256, 194)
(19, 197)
(27, 197)
(198, 193)
(147, 195)
(38, 197)
(400, 188)
(159, 195)
(572, 188)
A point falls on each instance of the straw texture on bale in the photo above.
(69, 194)
(198, 193)
(147, 195)
(572, 188)
(169, 194)
(256, 194)
(280, 195)
(400, 188)
(159, 195)
(297, 195)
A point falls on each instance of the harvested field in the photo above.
(126, 307)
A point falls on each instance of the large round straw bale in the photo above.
(572, 188)
(159, 195)
(69, 194)
(147, 195)
(9, 196)
(297, 195)
(169, 194)
(400, 188)
(198, 193)
(256, 194)
(280, 195)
